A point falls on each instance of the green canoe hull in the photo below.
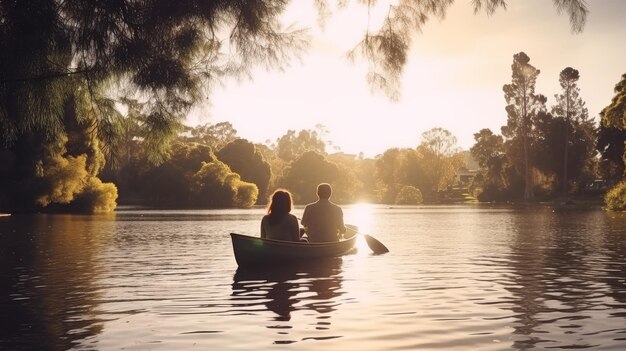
(253, 251)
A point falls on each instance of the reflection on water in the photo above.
(49, 289)
(285, 290)
(457, 278)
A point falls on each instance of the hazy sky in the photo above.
(453, 78)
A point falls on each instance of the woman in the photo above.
(278, 223)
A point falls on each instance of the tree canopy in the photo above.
(167, 51)
(172, 52)
(85, 81)
(539, 150)
(614, 115)
(614, 125)
(523, 106)
(386, 49)
(244, 159)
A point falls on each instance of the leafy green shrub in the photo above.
(247, 194)
(615, 199)
(217, 186)
(61, 179)
(409, 195)
(96, 197)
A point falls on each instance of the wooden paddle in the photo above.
(376, 246)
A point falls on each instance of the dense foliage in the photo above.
(612, 150)
(308, 170)
(84, 83)
(59, 173)
(541, 153)
(523, 106)
(431, 167)
(82, 58)
(615, 198)
(244, 159)
(194, 177)
(494, 182)
(409, 195)
(612, 142)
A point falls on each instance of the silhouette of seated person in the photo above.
(323, 220)
(279, 223)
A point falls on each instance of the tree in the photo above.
(409, 195)
(169, 184)
(548, 150)
(611, 144)
(431, 167)
(215, 185)
(304, 174)
(132, 143)
(291, 146)
(614, 115)
(441, 157)
(522, 106)
(166, 51)
(397, 168)
(391, 173)
(214, 135)
(361, 171)
(40, 173)
(277, 164)
(615, 198)
(440, 141)
(488, 146)
(569, 106)
(387, 48)
(244, 159)
(582, 161)
(124, 142)
(492, 184)
(194, 177)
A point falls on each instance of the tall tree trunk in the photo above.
(528, 180)
(567, 118)
(528, 190)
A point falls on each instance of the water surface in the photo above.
(457, 278)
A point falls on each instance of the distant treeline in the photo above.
(209, 166)
(542, 153)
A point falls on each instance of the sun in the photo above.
(360, 215)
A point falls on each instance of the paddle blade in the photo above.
(376, 246)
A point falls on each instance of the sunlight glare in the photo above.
(360, 215)
(361, 246)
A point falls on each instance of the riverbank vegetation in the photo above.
(552, 153)
(93, 95)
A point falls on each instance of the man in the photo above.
(323, 220)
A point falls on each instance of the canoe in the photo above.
(252, 250)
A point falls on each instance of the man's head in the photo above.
(324, 191)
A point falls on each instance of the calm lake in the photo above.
(457, 278)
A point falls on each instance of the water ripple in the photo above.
(456, 278)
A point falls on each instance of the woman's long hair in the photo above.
(280, 205)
